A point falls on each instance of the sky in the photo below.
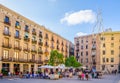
(68, 18)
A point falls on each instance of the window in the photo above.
(6, 19)
(112, 65)
(16, 55)
(103, 60)
(112, 52)
(25, 56)
(81, 41)
(112, 38)
(25, 45)
(81, 60)
(81, 47)
(17, 33)
(104, 45)
(40, 40)
(33, 47)
(86, 60)
(40, 58)
(40, 48)
(112, 44)
(86, 41)
(5, 54)
(26, 35)
(6, 30)
(103, 52)
(17, 23)
(33, 57)
(86, 46)
(26, 27)
(107, 60)
(6, 41)
(112, 59)
(86, 53)
(33, 30)
(81, 53)
(33, 38)
(16, 43)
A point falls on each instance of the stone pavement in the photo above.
(105, 79)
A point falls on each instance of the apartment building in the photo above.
(83, 51)
(26, 45)
(107, 50)
(110, 51)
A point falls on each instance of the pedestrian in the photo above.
(86, 76)
(82, 75)
(1, 75)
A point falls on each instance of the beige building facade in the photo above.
(26, 45)
(107, 51)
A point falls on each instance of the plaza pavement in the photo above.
(105, 79)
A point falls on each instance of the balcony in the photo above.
(6, 33)
(34, 41)
(46, 52)
(17, 26)
(46, 61)
(46, 38)
(52, 40)
(40, 43)
(17, 37)
(33, 51)
(15, 60)
(52, 47)
(40, 52)
(46, 45)
(93, 47)
(17, 48)
(40, 35)
(58, 48)
(34, 32)
(77, 50)
(94, 62)
(58, 42)
(24, 60)
(9, 59)
(27, 30)
(9, 46)
(26, 39)
(62, 50)
(77, 44)
(32, 61)
(39, 62)
(8, 23)
(26, 49)
(62, 44)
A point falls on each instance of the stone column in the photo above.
(35, 67)
(21, 67)
(11, 67)
(29, 66)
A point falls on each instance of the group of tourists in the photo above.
(56, 74)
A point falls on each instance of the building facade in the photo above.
(110, 51)
(26, 45)
(107, 51)
(83, 51)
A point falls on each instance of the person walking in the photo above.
(86, 76)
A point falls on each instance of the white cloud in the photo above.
(80, 34)
(82, 16)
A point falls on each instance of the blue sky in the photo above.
(68, 17)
